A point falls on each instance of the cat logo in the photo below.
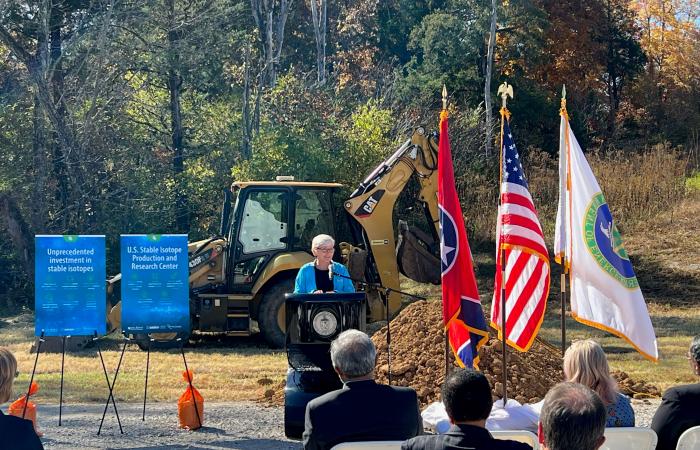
(368, 205)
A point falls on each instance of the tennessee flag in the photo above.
(463, 317)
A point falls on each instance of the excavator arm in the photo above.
(371, 206)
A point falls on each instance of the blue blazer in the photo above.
(306, 279)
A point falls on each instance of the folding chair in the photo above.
(690, 439)
(625, 438)
(524, 436)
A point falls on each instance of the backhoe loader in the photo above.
(240, 276)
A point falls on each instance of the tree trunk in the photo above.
(246, 147)
(19, 233)
(177, 135)
(319, 9)
(487, 83)
(271, 31)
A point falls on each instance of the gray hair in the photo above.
(572, 417)
(322, 239)
(353, 353)
(695, 349)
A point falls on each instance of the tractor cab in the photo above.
(270, 221)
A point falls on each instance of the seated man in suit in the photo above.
(573, 418)
(680, 407)
(362, 410)
(467, 398)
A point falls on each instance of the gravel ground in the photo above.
(241, 426)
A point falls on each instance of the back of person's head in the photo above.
(466, 395)
(8, 370)
(353, 354)
(585, 362)
(573, 418)
(694, 354)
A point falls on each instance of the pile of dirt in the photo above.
(418, 358)
(418, 361)
(635, 388)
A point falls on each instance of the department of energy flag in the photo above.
(604, 290)
(465, 326)
(526, 258)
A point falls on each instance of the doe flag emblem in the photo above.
(605, 243)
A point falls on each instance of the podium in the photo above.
(312, 322)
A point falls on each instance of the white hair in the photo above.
(322, 239)
(353, 353)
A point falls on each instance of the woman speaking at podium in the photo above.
(323, 274)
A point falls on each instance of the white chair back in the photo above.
(524, 436)
(369, 445)
(636, 438)
(690, 439)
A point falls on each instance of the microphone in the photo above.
(330, 271)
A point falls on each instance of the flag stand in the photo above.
(503, 326)
(505, 90)
(563, 306)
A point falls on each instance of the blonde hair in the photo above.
(8, 369)
(585, 363)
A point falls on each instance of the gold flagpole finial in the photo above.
(562, 110)
(444, 97)
(505, 90)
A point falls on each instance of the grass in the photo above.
(232, 370)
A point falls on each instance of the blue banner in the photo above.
(70, 281)
(155, 283)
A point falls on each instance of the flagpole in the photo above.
(447, 338)
(505, 89)
(564, 270)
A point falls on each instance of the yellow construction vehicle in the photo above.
(241, 275)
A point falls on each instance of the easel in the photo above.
(111, 385)
(63, 360)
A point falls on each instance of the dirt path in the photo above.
(240, 425)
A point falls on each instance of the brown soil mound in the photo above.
(418, 361)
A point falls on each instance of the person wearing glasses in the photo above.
(323, 274)
(679, 409)
(17, 433)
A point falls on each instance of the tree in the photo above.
(270, 19)
(319, 10)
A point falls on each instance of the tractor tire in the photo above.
(271, 315)
(161, 341)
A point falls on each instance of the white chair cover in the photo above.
(523, 436)
(625, 438)
(690, 439)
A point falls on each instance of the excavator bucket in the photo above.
(416, 255)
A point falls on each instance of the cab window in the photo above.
(313, 216)
(264, 222)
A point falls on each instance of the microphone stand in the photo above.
(386, 291)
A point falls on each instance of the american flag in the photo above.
(526, 258)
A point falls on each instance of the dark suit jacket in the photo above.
(463, 437)
(679, 410)
(18, 434)
(362, 411)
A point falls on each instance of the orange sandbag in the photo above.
(16, 408)
(185, 406)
